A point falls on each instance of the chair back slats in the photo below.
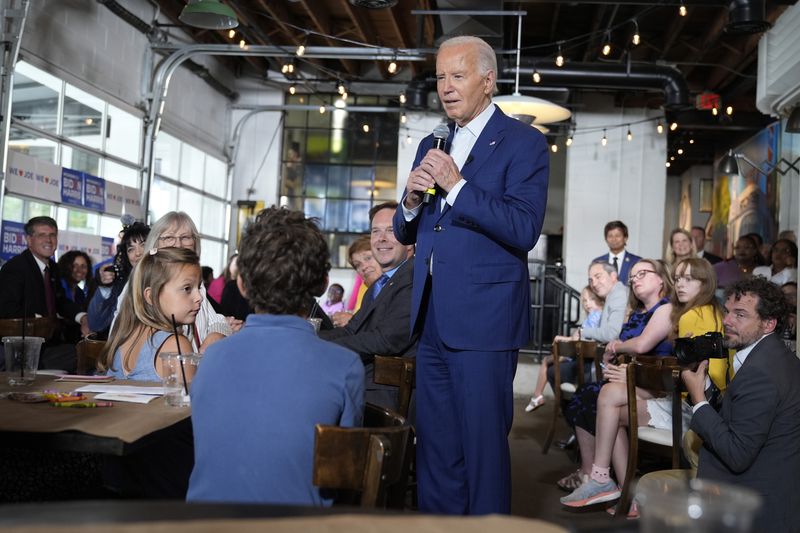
(398, 372)
(43, 327)
(369, 460)
(88, 352)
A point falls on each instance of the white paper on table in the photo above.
(127, 389)
(125, 397)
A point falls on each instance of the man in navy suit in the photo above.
(470, 297)
(616, 233)
(752, 440)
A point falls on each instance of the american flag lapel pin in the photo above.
(492, 143)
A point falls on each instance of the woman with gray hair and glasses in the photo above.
(176, 229)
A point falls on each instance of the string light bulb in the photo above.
(408, 139)
(554, 148)
(536, 76)
(559, 58)
(392, 67)
(636, 39)
(403, 98)
(729, 110)
(242, 43)
(403, 118)
(672, 158)
(673, 126)
(569, 140)
(630, 135)
(604, 140)
(231, 34)
(660, 128)
(715, 111)
(340, 88)
(344, 96)
(667, 164)
(680, 151)
(365, 127)
(607, 44)
(322, 110)
(682, 10)
(301, 50)
(292, 89)
(691, 141)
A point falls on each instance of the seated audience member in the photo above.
(258, 394)
(207, 274)
(783, 269)
(368, 270)
(699, 237)
(233, 303)
(382, 325)
(604, 282)
(79, 287)
(646, 331)
(593, 306)
(165, 285)
(616, 235)
(752, 440)
(789, 290)
(229, 273)
(680, 247)
(334, 304)
(745, 259)
(762, 248)
(176, 229)
(31, 288)
(113, 278)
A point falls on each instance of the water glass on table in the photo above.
(22, 358)
(179, 370)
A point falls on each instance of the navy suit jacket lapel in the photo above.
(487, 142)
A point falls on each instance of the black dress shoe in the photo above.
(568, 443)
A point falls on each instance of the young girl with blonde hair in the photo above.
(165, 285)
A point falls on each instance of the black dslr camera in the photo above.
(692, 350)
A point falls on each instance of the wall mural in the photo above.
(747, 203)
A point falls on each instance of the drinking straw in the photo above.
(183, 372)
(313, 308)
(24, 322)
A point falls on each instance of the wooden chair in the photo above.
(43, 327)
(88, 351)
(583, 351)
(662, 376)
(398, 372)
(370, 460)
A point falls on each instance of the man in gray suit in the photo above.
(753, 440)
(382, 324)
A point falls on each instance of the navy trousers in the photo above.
(464, 412)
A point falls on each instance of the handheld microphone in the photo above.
(440, 134)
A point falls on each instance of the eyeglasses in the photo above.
(639, 275)
(687, 279)
(171, 240)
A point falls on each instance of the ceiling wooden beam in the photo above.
(321, 19)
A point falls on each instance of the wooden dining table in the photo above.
(119, 430)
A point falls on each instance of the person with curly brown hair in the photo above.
(258, 394)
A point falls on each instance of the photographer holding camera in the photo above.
(753, 440)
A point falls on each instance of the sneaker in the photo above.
(535, 403)
(592, 492)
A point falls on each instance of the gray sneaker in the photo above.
(592, 492)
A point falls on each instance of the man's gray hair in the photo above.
(487, 60)
(608, 267)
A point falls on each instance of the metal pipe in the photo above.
(613, 76)
(9, 61)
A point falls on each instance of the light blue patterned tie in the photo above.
(379, 285)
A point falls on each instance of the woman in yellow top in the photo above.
(696, 313)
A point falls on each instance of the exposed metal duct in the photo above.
(614, 76)
(747, 16)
